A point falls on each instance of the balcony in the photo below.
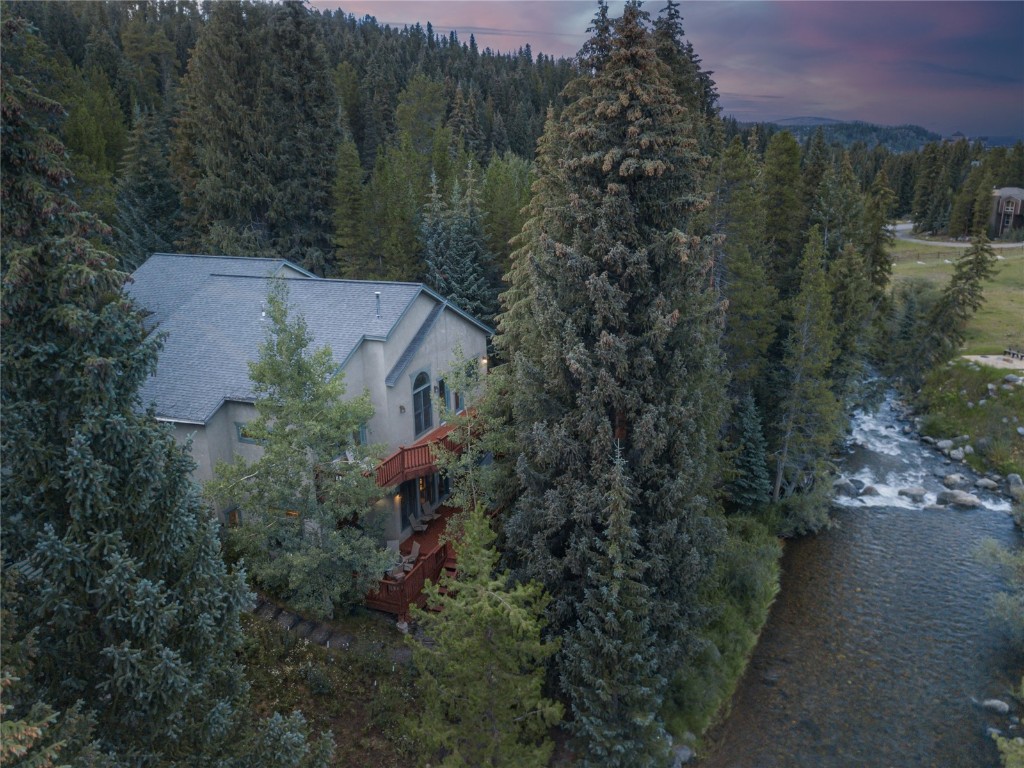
(395, 596)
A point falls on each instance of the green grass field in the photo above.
(1000, 322)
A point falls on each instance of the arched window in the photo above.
(421, 408)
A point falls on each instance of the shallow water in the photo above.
(880, 637)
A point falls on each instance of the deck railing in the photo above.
(395, 596)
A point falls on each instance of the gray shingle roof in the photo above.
(165, 281)
(214, 324)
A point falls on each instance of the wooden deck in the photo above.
(396, 595)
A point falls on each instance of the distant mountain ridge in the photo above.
(895, 138)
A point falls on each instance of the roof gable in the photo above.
(212, 312)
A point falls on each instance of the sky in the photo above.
(947, 66)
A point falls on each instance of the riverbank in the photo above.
(880, 641)
(981, 407)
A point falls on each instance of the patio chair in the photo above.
(409, 561)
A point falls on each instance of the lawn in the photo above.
(1000, 322)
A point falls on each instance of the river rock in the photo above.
(955, 480)
(1020, 431)
(968, 450)
(944, 445)
(958, 499)
(1012, 378)
(870, 490)
(1007, 387)
(927, 440)
(957, 454)
(1015, 486)
(681, 755)
(915, 493)
(842, 486)
(997, 706)
(986, 484)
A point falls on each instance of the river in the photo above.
(880, 641)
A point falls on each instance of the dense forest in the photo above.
(687, 310)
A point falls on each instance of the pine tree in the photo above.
(305, 502)
(809, 411)
(454, 250)
(838, 208)
(852, 313)
(351, 254)
(481, 672)
(784, 211)
(752, 310)
(255, 144)
(147, 202)
(128, 601)
(961, 298)
(612, 329)
(877, 238)
(504, 195)
(613, 670)
(750, 488)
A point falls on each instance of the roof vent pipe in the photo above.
(377, 294)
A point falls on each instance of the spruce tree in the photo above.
(750, 488)
(877, 238)
(147, 202)
(961, 298)
(784, 211)
(350, 246)
(481, 664)
(752, 312)
(612, 330)
(613, 670)
(133, 612)
(456, 256)
(808, 415)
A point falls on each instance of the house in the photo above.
(393, 340)
(1007, 211)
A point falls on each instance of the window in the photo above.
(243, 433)
(359, 436)
(442, 394)
(421, 406)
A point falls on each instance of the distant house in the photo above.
(394, 340)
(1007, 211)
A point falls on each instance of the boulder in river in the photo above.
(1016, 486)
(986, 484)
(1012, 378)
(997, 706)
(957, 454)
(944, 445)
(956, 480)
(870, 490)
(914, 493)
(958, 498)
(842, 486)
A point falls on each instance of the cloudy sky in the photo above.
(948, 66)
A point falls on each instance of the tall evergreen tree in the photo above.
(147, 202)
(961, 298)
(351, 249)
(809, 412)
(620, 347)
(614, 670)
(752, 312)
(132, 608)
(481, 675)
(257, 135)
(784, 211)
(454, 250)
(750, 487)
(876, 236)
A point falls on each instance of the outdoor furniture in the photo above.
(409, 561)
